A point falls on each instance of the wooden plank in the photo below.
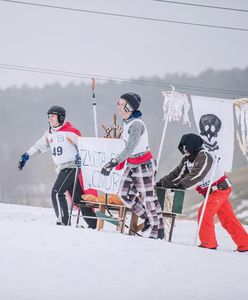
(100, 222)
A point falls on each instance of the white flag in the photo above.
(95, 153)
(241, 110)
(178, 105)
(214, 121)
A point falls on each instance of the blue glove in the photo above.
(24, 158)
(78, 161)
(108, 167)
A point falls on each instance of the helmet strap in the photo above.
(128, 107)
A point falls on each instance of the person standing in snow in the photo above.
(62, 140)
(136, 188)
(196, 169)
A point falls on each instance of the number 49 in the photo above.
(57, 151)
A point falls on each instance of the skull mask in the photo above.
(210, 126)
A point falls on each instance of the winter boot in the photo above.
(161, 234)
(60, 223)
(213, 248)
(146, 225)
(239, 250)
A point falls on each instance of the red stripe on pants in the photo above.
(218, 203)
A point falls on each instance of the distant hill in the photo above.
(24, 119)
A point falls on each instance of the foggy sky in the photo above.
(118, 47)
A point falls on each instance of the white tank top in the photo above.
(143, 145)
(62, 149)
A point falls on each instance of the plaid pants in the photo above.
(137, 193)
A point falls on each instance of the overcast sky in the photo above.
(118, 47)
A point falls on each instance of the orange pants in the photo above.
(218, 203)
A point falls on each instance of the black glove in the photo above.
(159, 184)
(108, 167)
(24, 158)
(169, 185)
(162, 183)
(176, 186)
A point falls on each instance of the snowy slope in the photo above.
(39, 260)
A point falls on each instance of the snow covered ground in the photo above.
(39, 260)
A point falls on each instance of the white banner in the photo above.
(95, 153)
(214, 121)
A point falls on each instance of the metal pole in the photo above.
(115, 126)
(93, 85)
(72, 197)
(165, 126)
(206, 200)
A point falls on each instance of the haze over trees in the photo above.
(23, 115)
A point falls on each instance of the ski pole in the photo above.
(93, 85)
(206, 200)
(72, 197)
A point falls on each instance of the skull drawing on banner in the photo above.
(210, 126)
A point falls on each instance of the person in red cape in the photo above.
(62, 140)
(136, 188)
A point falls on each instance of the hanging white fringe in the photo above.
(241, 111)
(179, 107)
(176, 107)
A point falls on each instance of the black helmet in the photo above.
(133, 100)
(192, 142)
(59, 111)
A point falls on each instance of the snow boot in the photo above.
(161, 234)
(213, 248)
(146, 225)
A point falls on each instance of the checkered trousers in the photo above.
(137, 193)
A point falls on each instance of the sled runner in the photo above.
(171, 209)
(106, 204)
